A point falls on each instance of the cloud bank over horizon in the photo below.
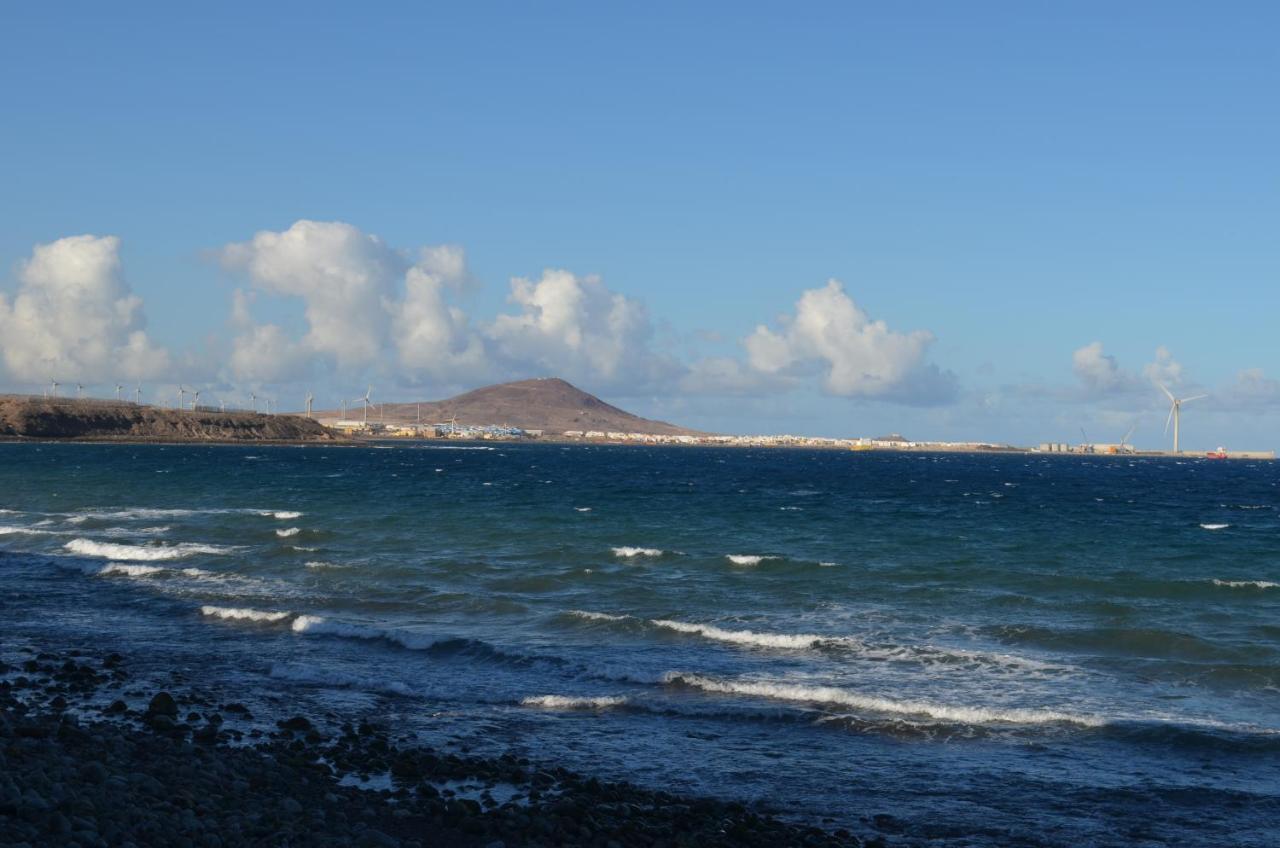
(347, 307)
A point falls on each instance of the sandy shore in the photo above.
(89, 759)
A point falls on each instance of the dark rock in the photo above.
(297, 723)
(163, 705)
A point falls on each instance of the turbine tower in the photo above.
(365, 400)
(119, 388)
(195, 401)
(54, 388)
(310, 397)
(253, 400)
(79, 391)
(137, 394)
(1175, 413)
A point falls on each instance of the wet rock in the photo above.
(163, 704)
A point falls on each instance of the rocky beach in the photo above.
(90, 758)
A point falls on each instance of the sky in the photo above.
(994, 221)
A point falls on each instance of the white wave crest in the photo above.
(582, 509)
(1247, 584)
(283, 515)
(129, 569)
(321, 626)
(745, 637)
(566, 702)
(321, 564)
(627, 552)
(748, 559)
(1215, 526)
(14, 530)
(290, 531)
(146, 553)
(597, 616)
(845, 698)
(243, 614)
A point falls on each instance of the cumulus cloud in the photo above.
(1164, 369)
(831, 335)
(365, 304)
(75, 318)
(577, 327)
(1099, 371)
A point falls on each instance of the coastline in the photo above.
(80, 764)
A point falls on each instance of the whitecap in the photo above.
(129, 569)
(243, 614)
(746, 637)
(582, 508)
(315, 563)
(1247, 584)
(108, 550)
(597, 616)
(1215, 526)
(963, 714)
(283, 515)
(567, 702)
(628, 552)
(290, 531)
(319, 625)
(748, 559)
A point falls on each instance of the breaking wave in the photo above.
(129, 569)
(627, 552)
(845, 698)
(746, 637)
(748, 559)
(286, 533)
(283, 515)
(1247, 584)
(243, 614)
(567, 702)
(144, 553)
(1215, 526)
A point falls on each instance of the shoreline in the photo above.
(81, 765)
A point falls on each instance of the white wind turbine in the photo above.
(182, 393)
(195, 400)
(137, 394)
(310, 397)
(365, 401)
(119, 388)
(253, 401)
(54, 388)
(1175, 412)
(79, 390)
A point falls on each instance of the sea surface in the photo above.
(953, 649)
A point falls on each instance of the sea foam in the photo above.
(129, 569)
(144, 553)
(567, 702)
(283, 515)
(1215, 526)
(1247, 584)
(244, 614)
(628, 552)
(745, 637)
(290, 531)
(748, 559)
(842, 697)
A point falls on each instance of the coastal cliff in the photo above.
(99, 420)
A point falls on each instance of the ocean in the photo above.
(951, 649)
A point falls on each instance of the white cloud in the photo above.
(1164, 369)
(432, 336)
(365, 304)
(344, 277)
(857, 357)
(75, 318)
(1099, 371)
(576, 327)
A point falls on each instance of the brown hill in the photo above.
(105, 420)
(548, 404)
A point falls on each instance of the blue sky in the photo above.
(1015, 180)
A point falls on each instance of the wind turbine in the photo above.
(137, 394)
(344, 409)
(182, 392)
(195, 401)
(119, 388)
(79, 391)
(310, 397)
(1175, 412)
(365, 399)
(54, 388)
(253, 401)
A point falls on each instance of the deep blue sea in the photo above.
(978, 649)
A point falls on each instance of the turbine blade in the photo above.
(1169, 420)
(1165, 389)
(1193, 397)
